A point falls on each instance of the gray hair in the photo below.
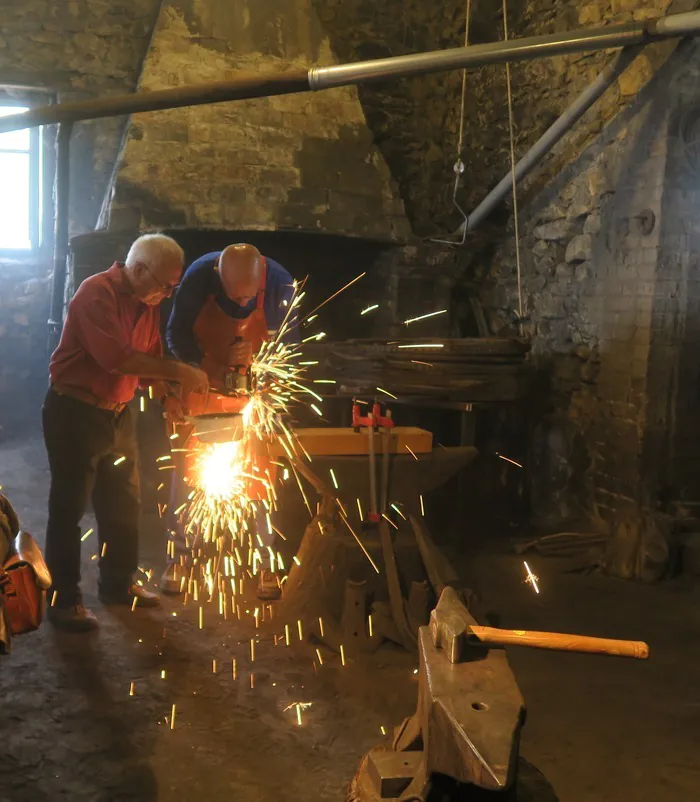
(153, 250)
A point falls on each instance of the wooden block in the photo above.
(332, 441)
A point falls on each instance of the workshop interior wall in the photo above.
(296, 161)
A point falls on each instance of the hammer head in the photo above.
(450, 624)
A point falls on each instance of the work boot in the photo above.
(72, 619)
(144, 598)
(268, 586)
(170, 580)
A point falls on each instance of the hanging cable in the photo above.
(516, 225)
(459, 164)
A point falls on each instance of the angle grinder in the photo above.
(221, 426)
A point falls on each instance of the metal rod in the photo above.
(551, 136)
(479, 55)
(253, 86)
(60, 245)
(243, 88)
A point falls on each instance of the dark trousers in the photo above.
(83, 442)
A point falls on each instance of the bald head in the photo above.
(240, 269)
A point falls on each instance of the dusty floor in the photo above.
(599, 728)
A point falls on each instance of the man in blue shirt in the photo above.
(229, 282)
(228, 304)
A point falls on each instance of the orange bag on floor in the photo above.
(24, 580)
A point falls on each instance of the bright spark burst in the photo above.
(369, 309)
(531, 578)
(232, 492)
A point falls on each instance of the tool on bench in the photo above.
(374, 420)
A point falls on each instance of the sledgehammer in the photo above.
(558, 641)
(453, 629)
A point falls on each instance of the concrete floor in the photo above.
(600, 729)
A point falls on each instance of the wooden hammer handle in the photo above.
(560, 642)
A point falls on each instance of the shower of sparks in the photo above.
(161, 485)
(213, 666)
(411, 452)
(87, 534)
(142, 404)
(382, 730)
(422, 506)
(174, 436)
(131, 689)
(320, 627)
(233, 668)
(162, 674)
(172, 718)
(531, 578)
(424, 317)
(316, 410)
(369, 624)
(369, 309)
(335, 481)
(252, 650)
(394, 507)
(301, 631)
(150, 391)
(507, 459)
(386, 392)
(320, 656)
(342, 654)
(418, 362)
(359, 509)
(423, 345)
(119, 460)
(134, 603)
(104, 549)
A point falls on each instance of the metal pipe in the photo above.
(60, 245)
(244, 88)
(673, 25)
(551, 136)
(478, 55)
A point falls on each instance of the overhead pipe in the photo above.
(551, 136)
(317, 78)
(60, 245)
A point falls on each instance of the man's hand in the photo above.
(172, 407)
(192, 380)
(240, 353)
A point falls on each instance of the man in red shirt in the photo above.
(110, 340)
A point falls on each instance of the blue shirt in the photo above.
(199, 282)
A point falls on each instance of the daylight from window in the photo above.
(15, 182)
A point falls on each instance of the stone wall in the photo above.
(73, 49)
(610, 287)
(296, 161)
(416, 121)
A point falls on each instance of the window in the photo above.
(20, 186)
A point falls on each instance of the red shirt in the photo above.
(106, 323)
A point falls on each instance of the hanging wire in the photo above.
(516, 222)
(459, 164)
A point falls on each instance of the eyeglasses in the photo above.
(167, 288)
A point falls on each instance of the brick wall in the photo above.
(298, 161)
